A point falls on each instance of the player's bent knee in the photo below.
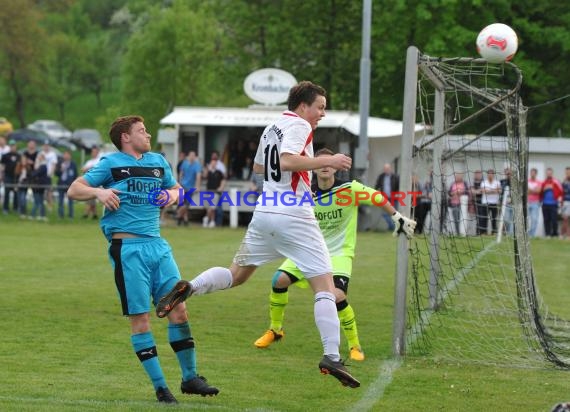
(178, 314)
(339, 295)
(280, 280)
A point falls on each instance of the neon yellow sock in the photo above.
(348, 324)
(277, 303)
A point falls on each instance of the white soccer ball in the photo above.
(497, 43)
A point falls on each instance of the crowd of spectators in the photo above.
(31, 177)
(486, 200)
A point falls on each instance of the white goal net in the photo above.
(470, 290)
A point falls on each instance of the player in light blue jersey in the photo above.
(132, 184)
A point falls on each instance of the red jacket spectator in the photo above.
(552, 183)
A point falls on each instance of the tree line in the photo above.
(161, 54)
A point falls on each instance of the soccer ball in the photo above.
(497, 43)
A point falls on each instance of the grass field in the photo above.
(66, 347)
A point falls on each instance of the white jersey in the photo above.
(51, 161)
(285, 192)
(490, 198)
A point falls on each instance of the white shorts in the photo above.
(273, 236)
(565, 212)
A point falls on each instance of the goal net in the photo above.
(470, 293)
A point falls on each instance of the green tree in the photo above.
(95, 66)
(173, 59)
(314, 40)
(191, 52)
(66, 54)
(22, 59)
(544, 52)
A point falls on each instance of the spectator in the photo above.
(424, 203)
(91, 204)
(51, 163)
(40, 183)
(9, 163)
(190, 178)
(566, 205)
(219, 164)
(66, 171)
(27, 163)
(476, 197)
(508, 212)
(533, 201)
(238, 161)
(457, 189)
(181, 158)
(388, 183)
(50, 158)
(491, 189)
(222, 168)
(4, 148)
(215, 183)
(551, 194)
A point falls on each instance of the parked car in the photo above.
(25, 135)
(54, 129)
(87, 138)
(5, 126)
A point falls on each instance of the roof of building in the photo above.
(545, 145)
(262, 116)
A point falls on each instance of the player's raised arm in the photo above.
(295, 162)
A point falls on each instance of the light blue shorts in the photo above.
(144, 269)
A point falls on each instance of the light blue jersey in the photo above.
(135, 179)
(190, 172)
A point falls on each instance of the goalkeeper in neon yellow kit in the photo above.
(336, 209)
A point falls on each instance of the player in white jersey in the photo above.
(336, 210)
(284, 224)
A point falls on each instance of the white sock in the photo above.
(216, 278)
(328, 324)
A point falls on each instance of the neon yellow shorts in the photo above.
(341, 265)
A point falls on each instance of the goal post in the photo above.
(465, 288)
(408, 131)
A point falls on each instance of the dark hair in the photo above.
(304, 92)
(122, 125)
(324, 151)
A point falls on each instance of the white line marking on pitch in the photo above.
(376, 389)
(388, 367)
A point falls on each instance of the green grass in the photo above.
(65, 345)
(479, 319)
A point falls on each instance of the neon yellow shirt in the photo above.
(337, 213)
